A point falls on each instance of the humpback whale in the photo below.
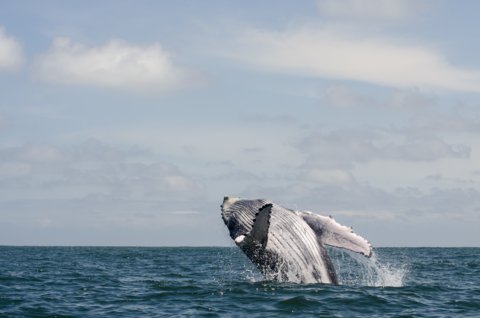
(288, 245)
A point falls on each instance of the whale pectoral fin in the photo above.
(261, 223)
(334, 234)
(239, 240)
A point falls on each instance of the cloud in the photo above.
(13, 169)
(346, 148)
(412, 99)
(367, 9)
(270, 119)
(445, 122)
(439, 178)
(363, 200)
(345, 96)
(329, 53)
(11, 53)
(92, 169)
(328, 176)
(94, 193)
(384, 216)
(116, 64)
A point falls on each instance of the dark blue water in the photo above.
(156, 282)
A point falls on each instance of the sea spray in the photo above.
(229, 263)
(352, 269)
(357, 270)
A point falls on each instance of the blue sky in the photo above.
(126, 122)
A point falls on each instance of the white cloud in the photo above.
(367, 9)
(329, 53)
(11, 53)
(116, 64)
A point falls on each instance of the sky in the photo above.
(127, 122)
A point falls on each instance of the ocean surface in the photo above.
(221, 282)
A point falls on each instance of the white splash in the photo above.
(356, 270)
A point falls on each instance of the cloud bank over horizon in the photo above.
(129, 129)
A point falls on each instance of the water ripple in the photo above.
(218, 282)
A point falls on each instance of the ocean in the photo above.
(221, 282)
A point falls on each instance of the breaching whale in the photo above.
(288, 245)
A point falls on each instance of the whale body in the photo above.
(288, 245)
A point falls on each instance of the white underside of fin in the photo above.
(239, 239)
(332, 233)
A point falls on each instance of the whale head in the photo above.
(230, 216)
(239, 215)
(227, 212)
